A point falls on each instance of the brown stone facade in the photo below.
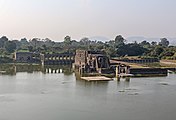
(92, 61)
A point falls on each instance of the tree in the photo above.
(3, 40)
(30, 48)
(131, 49)
(145, 44)
(10, 46)
(111, 52)
(157, 51)
(34, 42)
(24, 41)
(44, 47)
(85, 41)
(153, 43)
(67, 40)
(164, 42)
(67, 44)
(119, 40)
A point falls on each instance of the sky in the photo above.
(55, 19)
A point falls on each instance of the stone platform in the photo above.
(97, 78)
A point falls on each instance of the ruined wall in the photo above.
(140, 61)
(57, 59)
(148, 71)
(92, 62)
(81, 57)
(24, 57)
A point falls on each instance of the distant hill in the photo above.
(141, 38)
(99, 38)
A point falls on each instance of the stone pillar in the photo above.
(117, 70)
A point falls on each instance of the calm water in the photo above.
(31, 93)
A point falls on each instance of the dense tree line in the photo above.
(113, 48)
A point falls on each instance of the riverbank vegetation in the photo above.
(118, 47)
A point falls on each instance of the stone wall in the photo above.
(57, 59)
(148, 71)
(81, 57)
(24, 57)
(140, 61)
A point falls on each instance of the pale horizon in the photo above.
(55, 19)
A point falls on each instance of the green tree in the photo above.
(10, 46)
(67, 40)
(164, 42)
(3, 41)
(24, 41)
(119, 40)
(132, 49)
(157, 51)
(145, 44)
(153, 43)
(30, 48)
(34, 42)
(110, 51)
(85, 41)
(44, 47)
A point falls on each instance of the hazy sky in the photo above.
(83, 18)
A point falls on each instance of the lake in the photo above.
(56, 93)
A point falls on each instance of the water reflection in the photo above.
(12, 69)
(127, 79)
(8, 69)
(67, 69)
(46, 96)
(123, 82)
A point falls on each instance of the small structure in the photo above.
(122, 69)
(125, 69)
(23, 57)
(26, 57)
(92, 62)
(44, 59)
